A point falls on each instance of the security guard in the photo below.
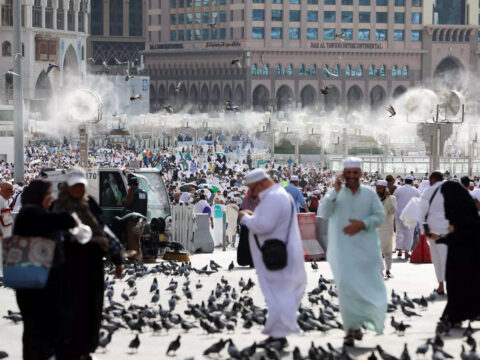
(136, 201)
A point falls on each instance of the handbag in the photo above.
(274, 251)
(27, 261)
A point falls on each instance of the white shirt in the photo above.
(403, 195)
(436, 214)
(6, 230)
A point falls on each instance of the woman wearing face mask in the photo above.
(40, 307)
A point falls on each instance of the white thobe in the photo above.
(232, 216)
(404, 233)
(6, 230)
(283, 289)
(385, 231)
(438, 224)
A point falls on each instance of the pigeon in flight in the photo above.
(212, 26)
(52, 66)
(341, 36)
(11, 73)
(137, 97)
(118, 62)
(237, 62)
(329, 73)
(127, 75)
(104, 63)
(390, 110)
(324, 90)
(169, 109)
(178, 87)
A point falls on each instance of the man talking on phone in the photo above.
(353, 251)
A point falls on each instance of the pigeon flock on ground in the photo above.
(230, 309)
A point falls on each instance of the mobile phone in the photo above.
(427, 229)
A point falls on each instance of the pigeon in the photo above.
(154, 285)
(408, 313)
(314, 265)
(52, 66)
(135, 343)
(104, 64)
(231, 266)
(390, 110)
(237, 62)
(168, 109)
(127, 75)
(341, 36)
(249, 351)
(422, 349)
(198, 285)
(124, 296)
(105, 340)
(118, 62)
(372, 356)
(272, 353)
(137, 97)
(405, 355)
(91, 59)
(324, 90)
(18, 55)
(469, 330)
(232, 350)
(215, 348)
(3, 354)
(156, 296)
(178, 87)
(10, 73)
(241, 283)
(297, 355)
(174, 345)
(212, 26)
(384, 355)
(471, 341)
(133, 293)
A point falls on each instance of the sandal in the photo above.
(349, 340)
(358, 334)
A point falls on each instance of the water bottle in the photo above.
(82, 233)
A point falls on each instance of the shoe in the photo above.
(358, 334)
(349, 340)
(388, 274)
(407, 255)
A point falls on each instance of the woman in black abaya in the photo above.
(463, 259)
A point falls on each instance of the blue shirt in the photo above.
(296, 195)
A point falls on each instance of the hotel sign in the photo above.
(344, 45)
(222, 44)
(165, 46)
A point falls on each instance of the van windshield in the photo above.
(158, 203)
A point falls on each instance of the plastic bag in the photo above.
(82, 233)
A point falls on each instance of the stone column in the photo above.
(42, 22)
(75, 21)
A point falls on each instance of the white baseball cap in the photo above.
(76, 176)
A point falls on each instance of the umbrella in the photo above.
(186, 187)
(207, 193)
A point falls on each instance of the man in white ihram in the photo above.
(6, 218)
(283, 289)
(404, 233)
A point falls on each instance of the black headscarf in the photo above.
(460, 209)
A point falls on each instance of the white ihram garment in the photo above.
(5, 230)
(283, 289)
(404, 233)
(385, 231)
(232, 216)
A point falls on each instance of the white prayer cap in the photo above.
(409, 177)
(472, 183)
(76, 176)
(352, 162)
(255, 176)
(294, 178)
(316, 192)
(381, 183)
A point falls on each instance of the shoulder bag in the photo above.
(274, 251)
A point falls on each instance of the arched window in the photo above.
(405, 71)
(382, 71)
(394, 70)
(360, 71)
(6, 48)
(324, 71)
(278, 70)
(348, 71)
(290, 70)
(336, 70)
(254, 69)
(301, 72)
(371, 71)
(313, 70)
(265, 70)
(70, 16)
(260, 70)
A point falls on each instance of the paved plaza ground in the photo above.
(416, 280)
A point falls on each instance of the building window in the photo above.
(290, 70)
(81, 16)
(116, 17)
(294, 1)
(277, 15)
(416, 35)
(181, 19)
(382, 17)
(277, 1)
(70, 16)
(382, 2)
(254, 69)
(381, 35)
(329, 2)
(382, 71)
(360, 71)
(294, 33)
(223, 16)
(37, 14)
(257, 32)
(364, 34)
(364, 2)
(312, 2)
(371, 71)
(348, 71)
(398, 35)
(206, 2)
(364, 17)
(173, 4)
(301, 70)
(258, 1)
(276, 33)
(173, 19)
(399, 18)
(399, 2)
(347, 16)
(181, 35)
(258, 15)
(328, 34)
(416, 2)
(206, 18)
(312, 34)
(180, 4)
(97, 7)
(189, 35)
(312, 16)
(405, 71)
(6, 48)
(347, 2)
(189, 18)
(294, 15)
(329, 16)
(223, 33)
(173, 35)
(347, 34)
(198, 18)
(416, 18)
(215, 17)
(394, 70)
(60, 19)
(278, 70)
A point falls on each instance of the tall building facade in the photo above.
(53, 31)
(118, 33)
(361, 51)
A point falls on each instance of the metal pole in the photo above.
(18, 92)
